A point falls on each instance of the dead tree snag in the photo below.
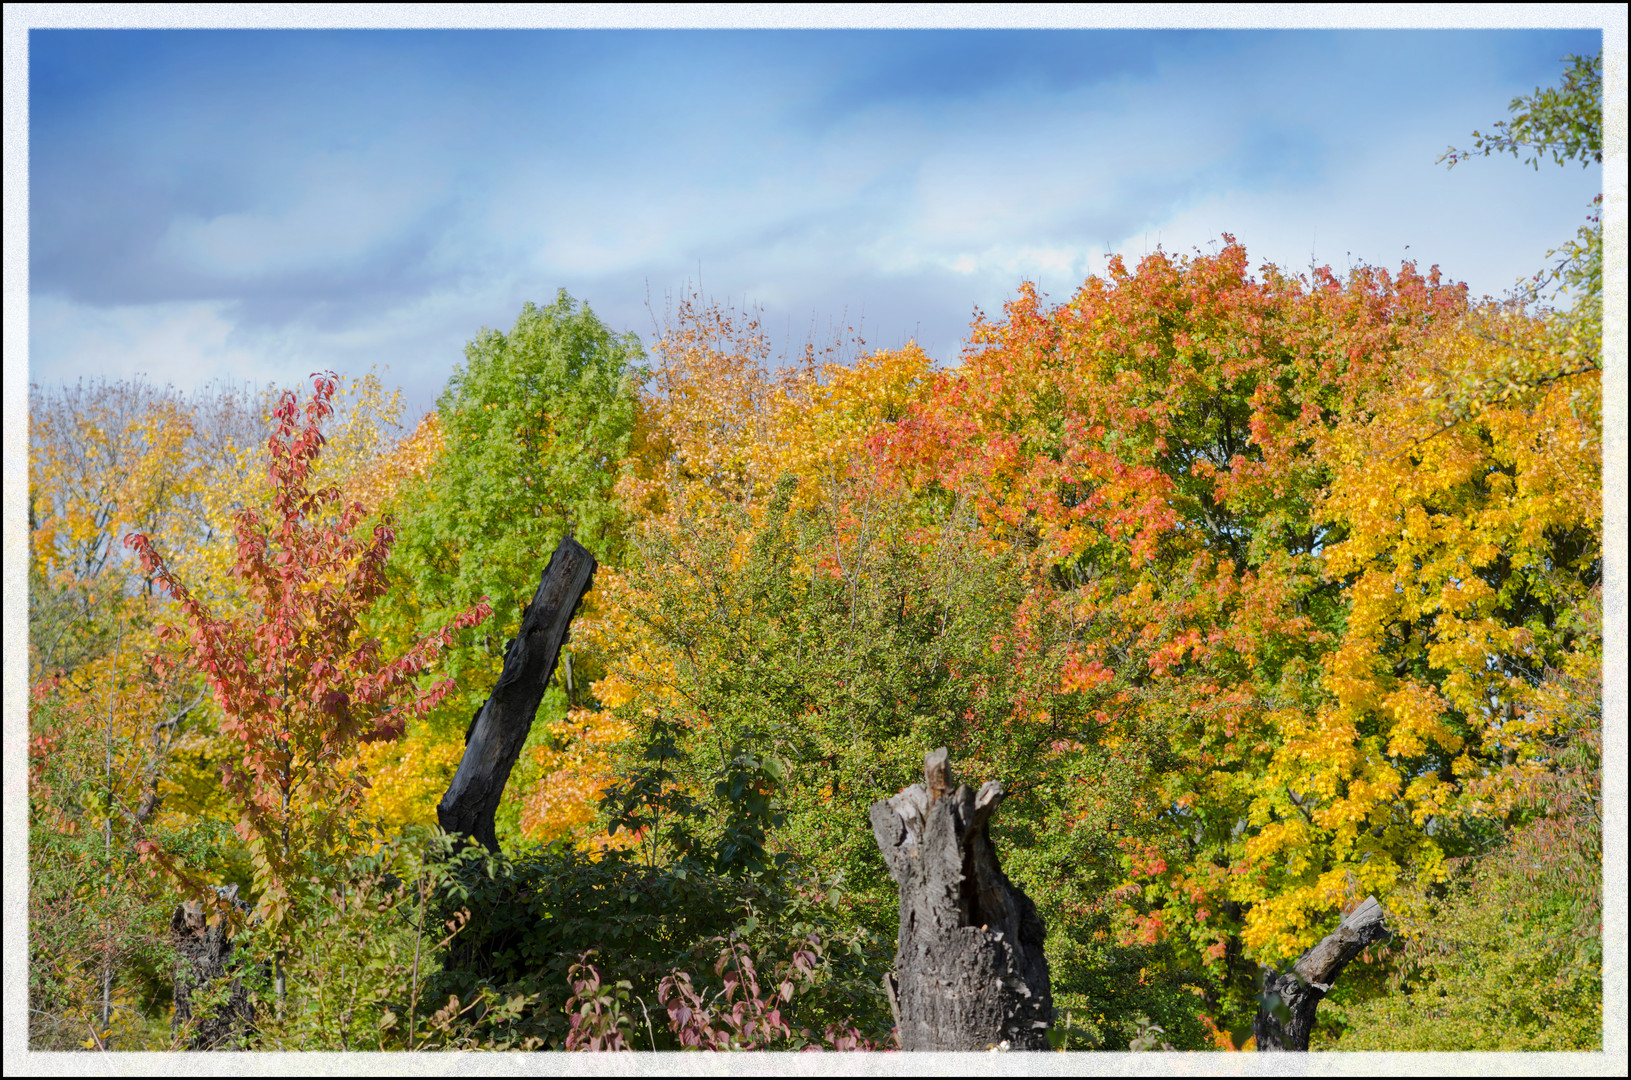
(969, 968)
(1285, 1015)
(500, 727)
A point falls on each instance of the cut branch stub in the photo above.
(970, 973)
(500, 727)
(1285, 1013)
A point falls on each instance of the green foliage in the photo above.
(817, 656)
(1564, 122)
(646, 910)
(360, 975)
(99, 954)
(1105, 987)
(533, 914)
(648, 803)
(536, 422)
(1501, 964)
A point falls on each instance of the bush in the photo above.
(533, 916)
(100, 958)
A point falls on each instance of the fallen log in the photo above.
(500, 726)
(1285, 1012)
(970, 973)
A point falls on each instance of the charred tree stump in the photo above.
(205, 948)
(969, 969)
(500, 727)
(1285, 1013)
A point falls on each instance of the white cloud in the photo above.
(182, 343)
(1487, 223)
(414, 345)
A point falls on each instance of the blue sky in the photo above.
(258, 205)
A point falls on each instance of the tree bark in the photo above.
(500, 727)
(970, 973)
(1285, 1013)
(205, 949)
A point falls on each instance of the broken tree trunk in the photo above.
(1285, 1013)
(205, 947)
(969, 969)
(500, 727)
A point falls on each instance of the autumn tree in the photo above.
(1483, 513)
(298, 685)
(1167, 440)
(228, 455)
(1509, 954)
(109, 458)
(1287, 561)
(804, 619)
(104, 459)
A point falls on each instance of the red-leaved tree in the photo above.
(296, 681)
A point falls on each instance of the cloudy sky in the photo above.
(258, 204)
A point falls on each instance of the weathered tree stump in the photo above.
(205, 948)
(1285, 1014)
(970, 973)
(500, 727)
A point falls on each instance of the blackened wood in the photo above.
(970, 973)
(500, 728)
(1285, 1014)
(204, 950)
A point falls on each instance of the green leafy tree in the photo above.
(1564, 122)
(536, 423)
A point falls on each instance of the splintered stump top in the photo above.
(970, 972)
